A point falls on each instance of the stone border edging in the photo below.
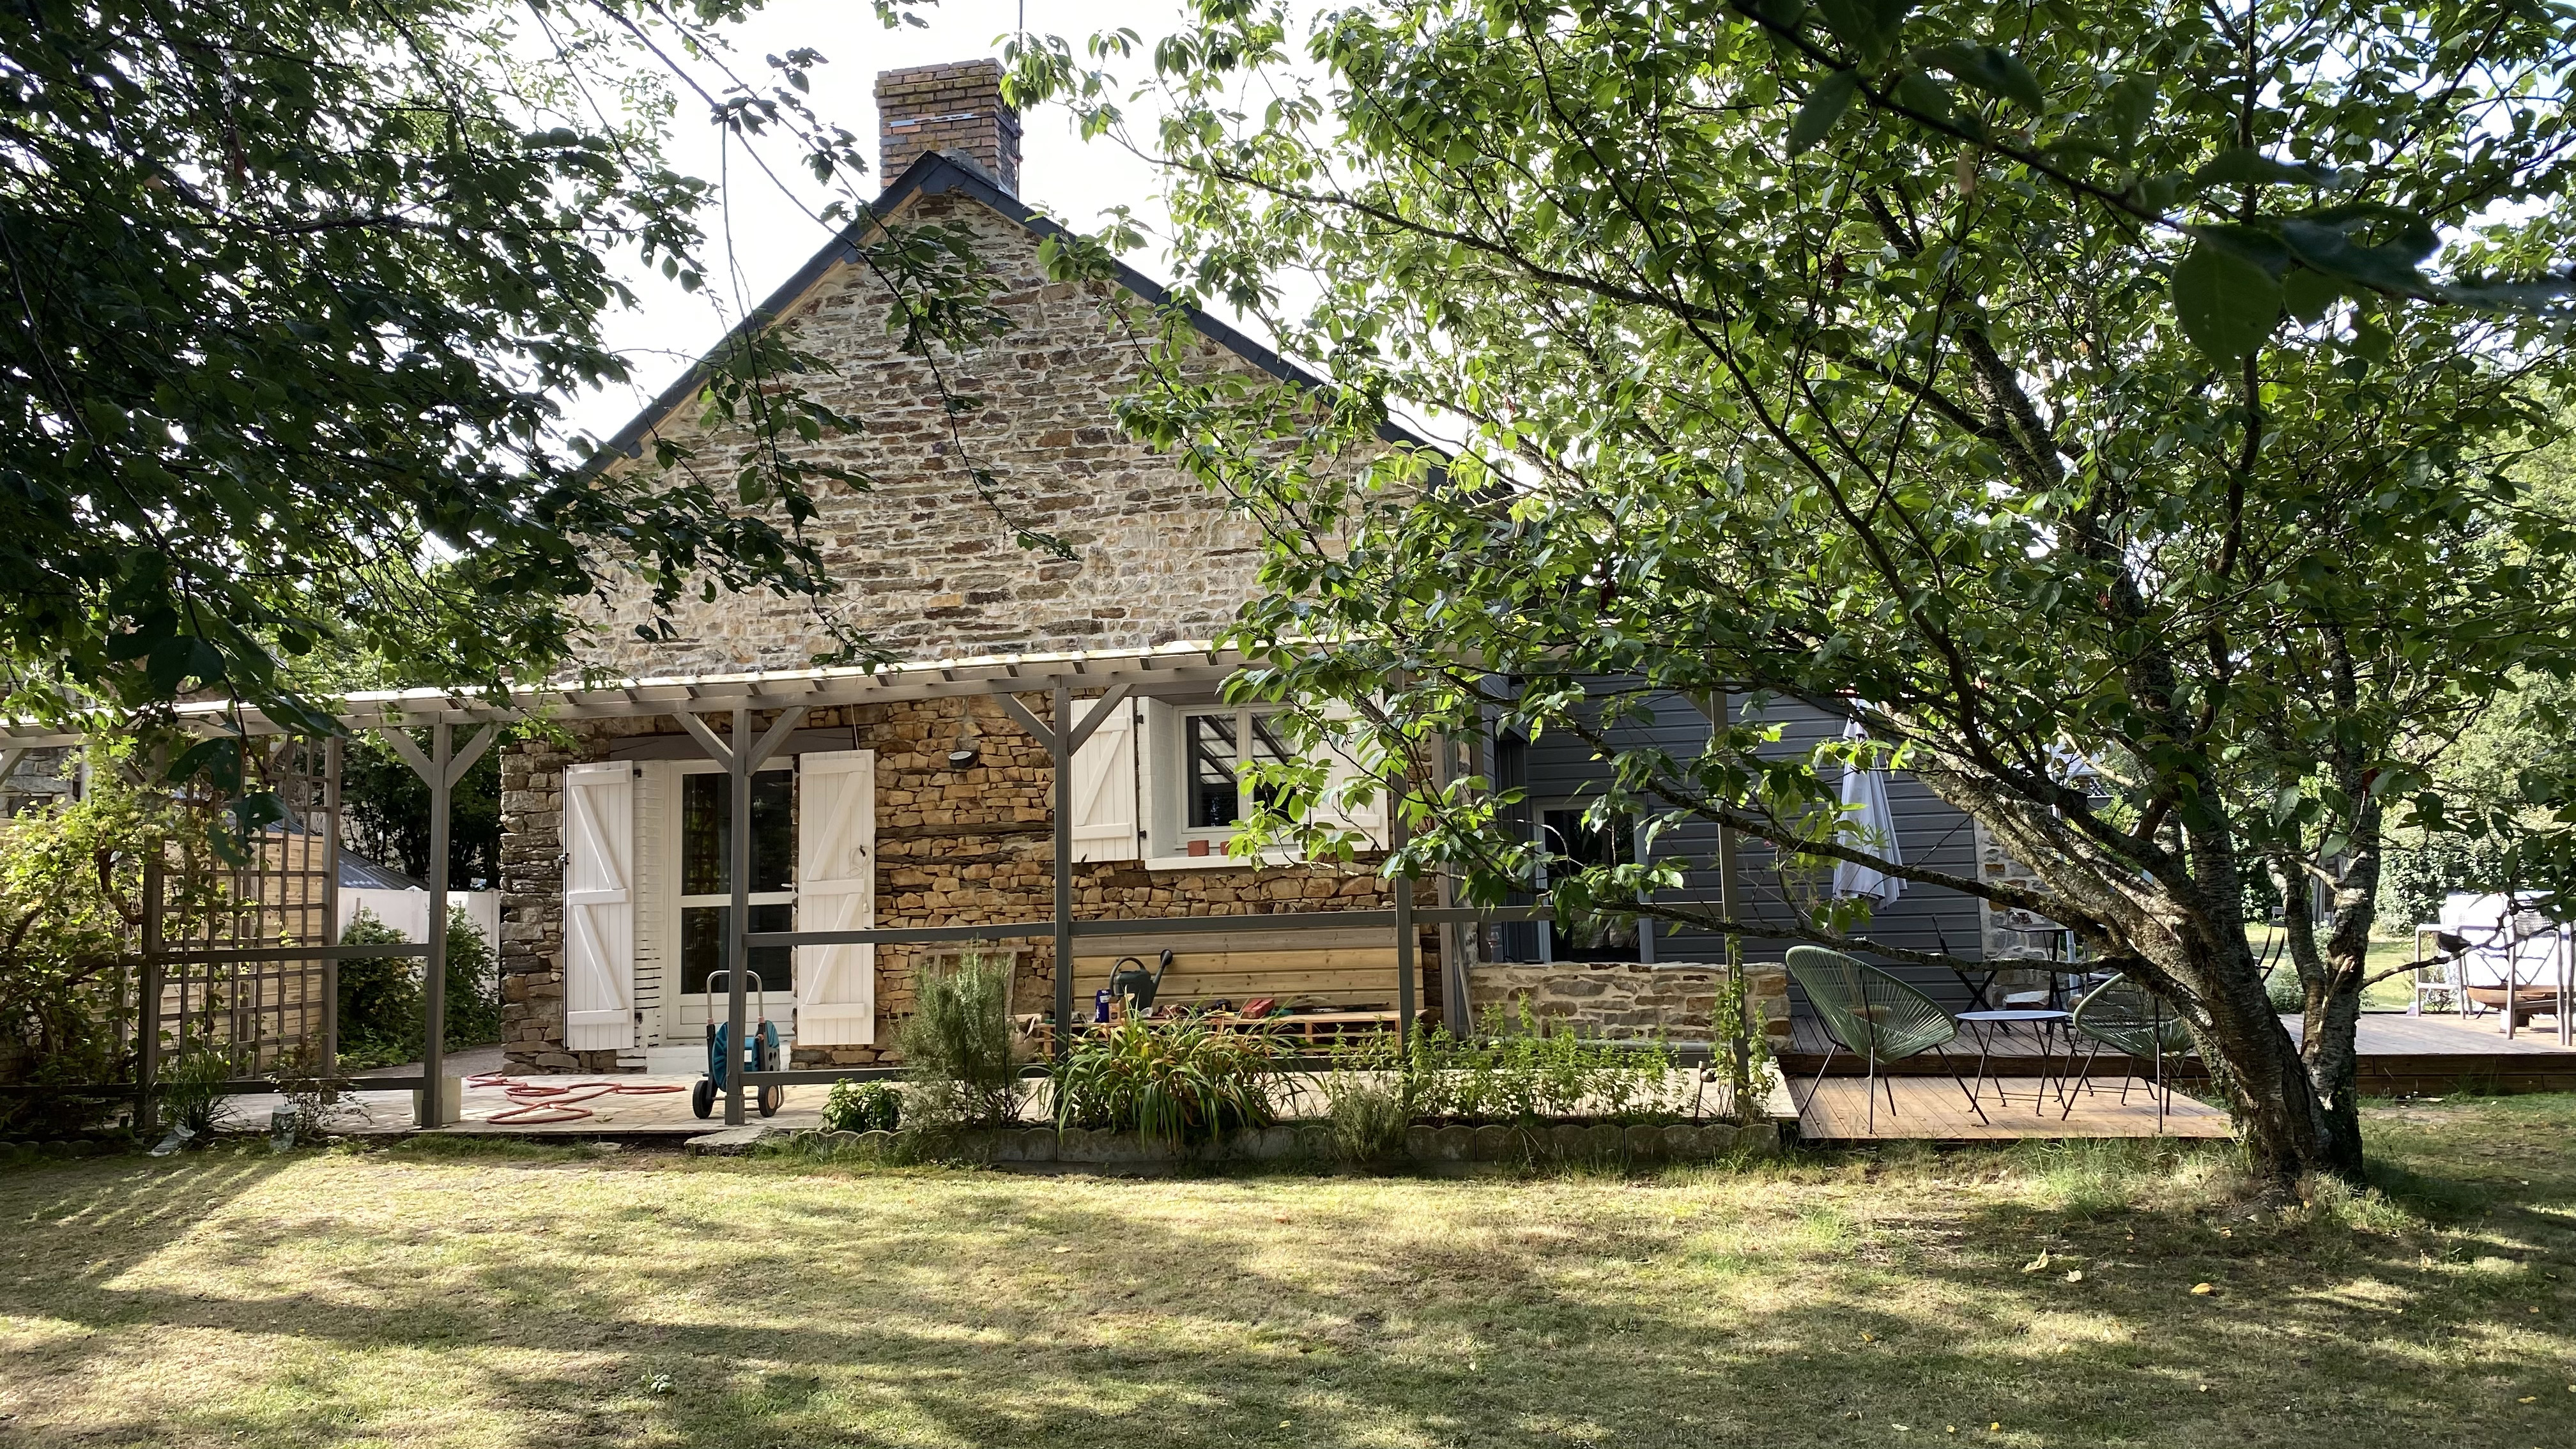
(1562, 1142)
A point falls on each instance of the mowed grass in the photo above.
(527, 1296)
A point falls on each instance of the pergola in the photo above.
(441, 758)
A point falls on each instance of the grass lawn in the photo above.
(2386, 953)
(524, 1296)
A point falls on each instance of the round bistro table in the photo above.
(2049, 1021)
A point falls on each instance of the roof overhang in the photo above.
(1181, 668)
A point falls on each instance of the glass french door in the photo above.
(705, 818)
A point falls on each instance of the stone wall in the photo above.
(930, 568)
(2008, 931)
(954, 847)
(1626, 999)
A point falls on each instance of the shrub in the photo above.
(957, 1046)
(382, 1003)
(187, 1088)
(2416, 875)
(2282, 986)
(380, 998)
(1508, 1075)
(473, 984)
(863, 1107)
(71, 904)
(1178, 1084)
(1367, 1113)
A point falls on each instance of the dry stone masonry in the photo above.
(932, 569)
(1626, 999)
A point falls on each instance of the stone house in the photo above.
(918, 795)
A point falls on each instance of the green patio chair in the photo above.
(1871, 1013)
(2124, 1015)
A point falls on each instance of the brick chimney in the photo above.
(955, 106)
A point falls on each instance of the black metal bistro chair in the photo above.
(1871, 1013)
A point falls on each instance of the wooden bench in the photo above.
(1348, 969)
(1349, 975)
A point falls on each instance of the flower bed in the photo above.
(1538, 1144)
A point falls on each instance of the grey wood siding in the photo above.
(1558, 768)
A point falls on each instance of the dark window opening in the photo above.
(706, 833)
(1574, 844)
(702, 945)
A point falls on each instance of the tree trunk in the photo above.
(2267, 1077)
(2291, 1130)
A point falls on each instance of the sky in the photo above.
(763, 234)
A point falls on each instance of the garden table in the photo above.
(2048, 1022)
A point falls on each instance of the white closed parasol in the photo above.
(1865, 805)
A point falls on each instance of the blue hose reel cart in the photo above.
(763, 1056)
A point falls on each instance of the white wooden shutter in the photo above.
(1340, 772)
(1105, 786)
(599, 906)
(836, 890)
(1159, 802)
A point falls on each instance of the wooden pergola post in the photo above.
(440, 769)
(1062, 739)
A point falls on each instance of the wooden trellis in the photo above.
(237, 980)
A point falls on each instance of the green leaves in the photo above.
(1824, 106)
(1868, 27)
(2227, 304)
(1842, 427)
(1989, 70)
(311, 308)
(2388, 268)
(2237, 166)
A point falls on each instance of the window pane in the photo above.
(702, 945)
(705, 821)
(1266, 750)
(773, 832)
(1212, 756)
(1573, 845)
(706, 833)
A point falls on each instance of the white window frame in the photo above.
(1216, 835)
(1164, 775)
(687, 1009)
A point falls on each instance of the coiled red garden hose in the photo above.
(529, 1097)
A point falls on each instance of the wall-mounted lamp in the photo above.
(969, 743)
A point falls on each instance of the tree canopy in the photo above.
(295, 290)
(2114, 410)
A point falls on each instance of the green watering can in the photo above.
(1130, 978)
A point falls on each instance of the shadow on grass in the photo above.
(1820, 1299)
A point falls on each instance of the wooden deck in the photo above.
(2400, 1056)
(1933, 1109)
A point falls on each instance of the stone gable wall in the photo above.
(929, 568)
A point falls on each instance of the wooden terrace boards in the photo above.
(2400, 1056)
(1934, 1109)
